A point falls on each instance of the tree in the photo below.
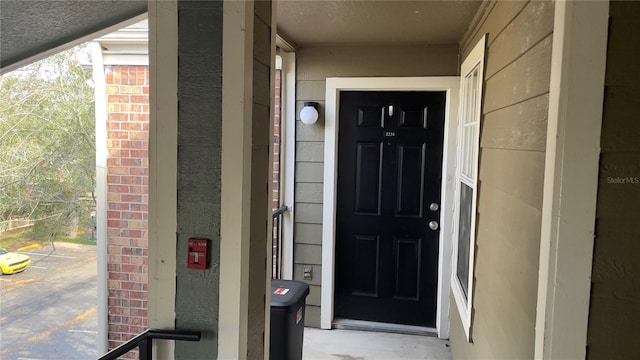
(47, 143)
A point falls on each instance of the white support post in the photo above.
(101, 195)
(163, 168)
(237, 101)
(571, 178)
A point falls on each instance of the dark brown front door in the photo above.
(389, 180)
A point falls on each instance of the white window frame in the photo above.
(470, 114)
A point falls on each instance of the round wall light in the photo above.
(309, 113)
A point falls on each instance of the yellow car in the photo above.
(11, 263)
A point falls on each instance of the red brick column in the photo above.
(276, 167)
(276, 142)
(127, 180)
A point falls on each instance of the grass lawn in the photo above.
(15, 239)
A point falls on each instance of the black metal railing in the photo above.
(276, 239)
(144, 342)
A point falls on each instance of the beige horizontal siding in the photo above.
(314, 295)
(523, 79)
(308, 213)
(460, 349)
(517, 173)
(313, 66)
(499, 14)
(309, 193)
(312, 316)
(621, 130)
(310, 151)
(308, 233)
(532, 25)
(309, 132)
(620, 188)
(614, 314)
(513, 141)
(310, 90)
(517, 127)
(307, 254)
(506, 218)
(298, 274)
(318, 63)
(309, 172)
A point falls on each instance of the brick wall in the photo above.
(276, 142)
(276, 169)
(127, 180)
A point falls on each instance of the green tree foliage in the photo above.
(47, 143)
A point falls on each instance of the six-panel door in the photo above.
(389, 180)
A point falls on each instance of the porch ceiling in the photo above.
(374, 22)
(34, 27)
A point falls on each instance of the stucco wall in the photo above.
(313, 66)
(515, 110)
(614, 315)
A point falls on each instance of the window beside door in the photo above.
(467, 183)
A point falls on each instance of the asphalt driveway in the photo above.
(49, 310)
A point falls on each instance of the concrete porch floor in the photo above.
(367, 345)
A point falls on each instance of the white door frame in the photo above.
(287, 158)
(450, 84)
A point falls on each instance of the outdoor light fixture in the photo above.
(309, 113)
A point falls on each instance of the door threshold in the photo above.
(361, 325)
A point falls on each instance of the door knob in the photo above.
(434, 207)
(433, 225)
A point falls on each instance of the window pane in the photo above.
(470, 96)
(464, 236)
(475, 84)
(468, 100)
(468, 151)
